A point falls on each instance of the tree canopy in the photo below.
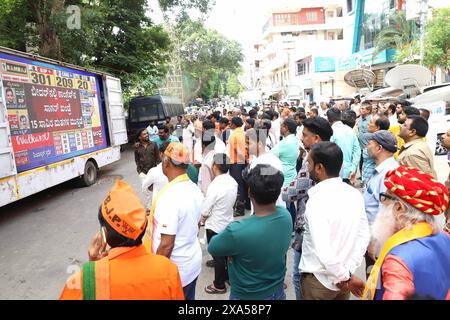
(208, 58)
(437, 39)
(397, 34)
(404, 36)
(114, 35)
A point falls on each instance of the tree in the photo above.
(397, 34)
(207, 55)
(403, 36)
(182, 6)
(437, 40)
(115, 36)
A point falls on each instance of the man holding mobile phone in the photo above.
(127, 271)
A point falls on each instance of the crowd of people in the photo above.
(339, 184)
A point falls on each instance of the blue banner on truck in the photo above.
(54, 112)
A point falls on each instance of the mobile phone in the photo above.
(103, 248)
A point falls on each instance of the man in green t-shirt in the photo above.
(257, 245)
(164, 136)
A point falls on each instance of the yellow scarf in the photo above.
(148, 238)
(418, 230)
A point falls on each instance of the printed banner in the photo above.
(54, 113)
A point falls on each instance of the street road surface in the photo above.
(44, 237)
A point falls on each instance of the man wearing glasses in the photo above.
(416, 153)
(414, 252)
(381, 148)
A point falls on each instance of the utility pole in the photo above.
(423, 20)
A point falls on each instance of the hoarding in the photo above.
(324, 64)
(366, 58)
(54, 113)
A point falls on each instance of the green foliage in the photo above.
(183, 5)
(437, 39)
(399, 33)
(409, 53)
(208, 58)
(14, 15)
(234, 86)
(116, 36)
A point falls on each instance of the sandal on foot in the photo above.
(213, 290)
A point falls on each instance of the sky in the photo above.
(240, 20)
(243, 20)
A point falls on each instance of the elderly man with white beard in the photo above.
(415, 254)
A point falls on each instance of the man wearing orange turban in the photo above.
(127, 271)
(415, 258)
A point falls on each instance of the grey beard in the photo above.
(385, 224)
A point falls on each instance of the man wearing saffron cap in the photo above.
(415, 254)
(174, 218)
(127, 271)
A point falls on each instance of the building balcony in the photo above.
(330, 23)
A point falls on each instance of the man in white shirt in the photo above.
(188, 134)
(392, 114)
(217, 213)
(276, 126)
(259, 155)
(211, 145)
(176, 217)
(152, 130)
(336, 230)
(324, 106)
(155, 179)
(346, 139)
(299, 118)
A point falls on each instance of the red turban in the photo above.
(419, 189)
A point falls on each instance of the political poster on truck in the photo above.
(54, 112)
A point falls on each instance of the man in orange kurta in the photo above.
(127, 271)
(237, 149)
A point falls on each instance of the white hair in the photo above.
(386, 224)
(414, 215)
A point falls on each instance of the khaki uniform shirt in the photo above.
(417, 154)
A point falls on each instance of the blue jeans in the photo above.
(279, 295)
(290, 206)
(189, 290)
(296, 274)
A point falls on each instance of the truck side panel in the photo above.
(30, 182)
(54, 113)
(53, 121)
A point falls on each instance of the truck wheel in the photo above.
(90, 174)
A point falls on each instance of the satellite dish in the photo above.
(409, 77)
(360, 78)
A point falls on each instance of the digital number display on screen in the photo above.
(54, 113)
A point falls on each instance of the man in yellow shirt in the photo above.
(405, 112)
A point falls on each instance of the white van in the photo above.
(436, 99)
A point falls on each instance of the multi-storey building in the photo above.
(305, 51)
(371, 16)
(299, 49)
